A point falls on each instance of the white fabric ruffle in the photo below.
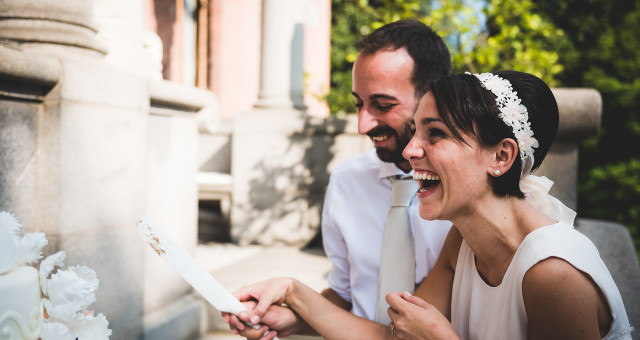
(536, 192)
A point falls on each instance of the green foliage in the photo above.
(514, 37)
(606, 57)
(349, 22)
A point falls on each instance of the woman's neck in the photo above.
(494, 230)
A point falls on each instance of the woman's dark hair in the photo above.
(431, 58)
(467, 107)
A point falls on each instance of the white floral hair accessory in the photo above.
(514, 114)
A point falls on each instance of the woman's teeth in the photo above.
(425, 176)
(425, 180)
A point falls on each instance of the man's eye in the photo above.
(358, 105)
(384, 107)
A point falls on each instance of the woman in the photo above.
(512, 267)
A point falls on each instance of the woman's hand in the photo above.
(414, 318)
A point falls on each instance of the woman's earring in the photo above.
(497, 172)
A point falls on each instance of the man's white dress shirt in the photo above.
(355, 208)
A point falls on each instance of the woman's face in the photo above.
(452, 174)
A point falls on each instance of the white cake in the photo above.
(25, 292)
(21, 309)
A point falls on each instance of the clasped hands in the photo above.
(266, 301)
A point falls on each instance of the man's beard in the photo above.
(402, 139)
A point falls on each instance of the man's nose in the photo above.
(366, 121)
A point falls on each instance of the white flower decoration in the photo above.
(71, 290)
(94, 328)
(513, 113)
(9, 222)
(69, 293)
(46, 267)
(29, 247)
(55, 331)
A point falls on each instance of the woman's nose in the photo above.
(413, 150)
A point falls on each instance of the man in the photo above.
(390, 75)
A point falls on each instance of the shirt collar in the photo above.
(391, 169)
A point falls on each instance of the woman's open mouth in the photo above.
(427, 181)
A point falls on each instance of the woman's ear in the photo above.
(504, 154)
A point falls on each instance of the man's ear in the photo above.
(504, 154)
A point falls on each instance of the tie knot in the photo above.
(402, 191)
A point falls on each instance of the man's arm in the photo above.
(276, 315)
(337, 300)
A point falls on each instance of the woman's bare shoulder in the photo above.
(559, 297)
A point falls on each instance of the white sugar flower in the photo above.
(46, 267)
(83, 326)
(30, 248)
(68, 294)
(55, 331)
(70, 291)
(9, 221)
(75, 287)
(93, 327)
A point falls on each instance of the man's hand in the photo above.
(278, 321)
(263, 301)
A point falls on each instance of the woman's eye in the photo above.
(436, 133)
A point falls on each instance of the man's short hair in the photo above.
(431, 58)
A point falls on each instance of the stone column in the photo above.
(275, 145)
(317, 61)
(50, 26)
(580, 115)
(281, 77)
(81, 155)
(85, 138)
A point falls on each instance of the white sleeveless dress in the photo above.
(479, 311)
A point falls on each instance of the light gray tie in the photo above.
(397, 259)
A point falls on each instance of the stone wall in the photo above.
(90, 142)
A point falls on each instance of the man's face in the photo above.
(385, 101)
